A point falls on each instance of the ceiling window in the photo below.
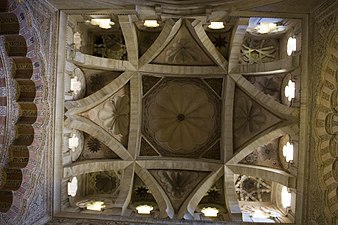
(216, 25)
(77, 40)
(144, 209)
(72, 187)
(285, 197)
(210, 212)
(290, 90)
(95, 205)
(73, 142)
(102, 23)
(291, 45)
(75, 85)
(288, 151)
(151, 23)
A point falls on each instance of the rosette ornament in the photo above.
(115, 115)
(182, 51)
(178, 183)
(105, 183)
(181, 117)
(248, 118)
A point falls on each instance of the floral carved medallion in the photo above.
(181, 117)
(249, 117)
(177, 183)
(115, 115)
(105, 183)
(182, 51)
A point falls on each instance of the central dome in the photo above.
(181, 117)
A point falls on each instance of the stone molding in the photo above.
(139, 221)
(322, 190)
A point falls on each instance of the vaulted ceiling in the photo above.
(181, 118)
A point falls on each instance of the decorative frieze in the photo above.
(326, 116)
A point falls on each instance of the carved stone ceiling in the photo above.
(171, 125)
(180, 118)
(195, 5)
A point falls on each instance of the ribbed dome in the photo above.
(181, 117)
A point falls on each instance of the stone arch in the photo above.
(21, 110)
(325, 126)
